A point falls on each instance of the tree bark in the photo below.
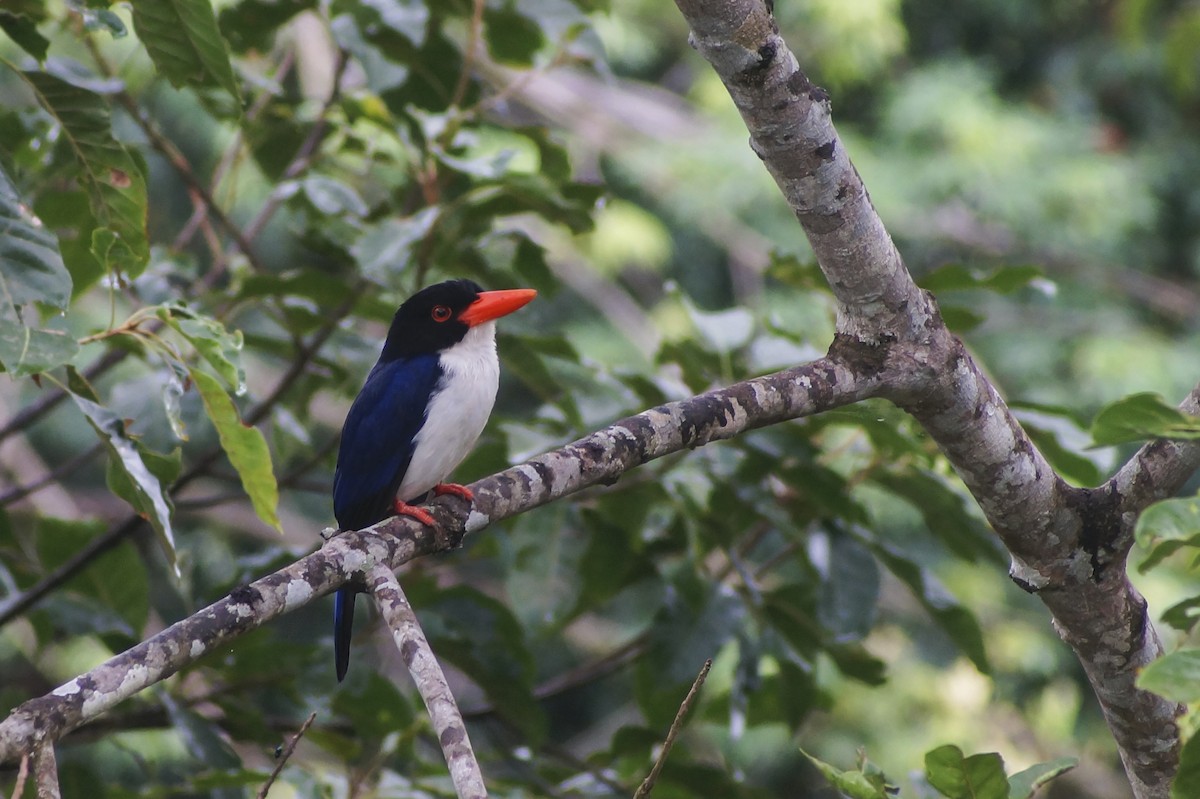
(1068, 545)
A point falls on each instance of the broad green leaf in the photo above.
(1187, 779)
(116, 584)
(215, 344)
(31, 267)
(112, 178)
(148, 495)
(958, 777)
(384, 250)
(512, 37)
(1024, 784)
(1166, 527)
(945, 512)
(201, 736)
(1139, 417)
(1076, 468)
(27, 351)
(854, 784)
(957, 277)
(185, 43)
(332, 197)
(1174, 676)
(244, 446)
(849, 589)
(957, 621)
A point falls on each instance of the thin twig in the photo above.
(676, 725)
(22, 776)
(287, 753)
(431, 682)
(474, 37)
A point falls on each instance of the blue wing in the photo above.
(377, 439)
(376, 448)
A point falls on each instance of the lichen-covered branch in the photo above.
(430, 681)
(601, 457)
(1068, 545)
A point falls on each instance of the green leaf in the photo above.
(1174, 676)
(945, 512)
(854, 784)
(1024, 784)
(112, 178)
(1076, 468)
(955, 620)
(1139, 417)
(1187, 779)
(957, 777)
(116, 584)
(1166, 527)
(957, 277)
(201, 736)
(384, 250)
(849, 589)
(185, 43)
(512, 37)
(31, 267)
(216, 345)
(244, 446)
(146, 492)
(27, 351)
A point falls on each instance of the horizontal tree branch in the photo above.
(600, 458)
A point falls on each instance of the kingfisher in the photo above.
(419, 413)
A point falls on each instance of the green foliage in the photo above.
(361, 150)
(950, 773)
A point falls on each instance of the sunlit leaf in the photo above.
(1166, 527)
(1139, 417)
(1175, 676)
(854, 784)
(958, 777)
(244, 446)
(1024, 784)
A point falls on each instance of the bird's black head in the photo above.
(428, 320)
(438, 317)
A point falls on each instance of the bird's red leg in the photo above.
(455, 489)
(413, 512)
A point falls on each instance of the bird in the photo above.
(422, 408)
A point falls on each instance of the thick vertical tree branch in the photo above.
(431, 682)
(1068, 545)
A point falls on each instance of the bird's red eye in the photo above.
(440, 313)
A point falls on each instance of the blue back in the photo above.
(377, 439)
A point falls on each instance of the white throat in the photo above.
(457, 412)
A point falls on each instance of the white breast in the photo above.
(461, 404)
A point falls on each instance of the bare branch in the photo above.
(430, 681)
(286, 755)
(45, 771)
(673, 733)
(600, 458)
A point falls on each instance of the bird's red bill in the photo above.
(494, 304)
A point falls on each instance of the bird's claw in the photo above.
(455, 489)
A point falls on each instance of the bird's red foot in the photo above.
(455, 489)
(413, 512)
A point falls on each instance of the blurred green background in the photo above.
(847, 588)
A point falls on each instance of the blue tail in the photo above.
(343, 626)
